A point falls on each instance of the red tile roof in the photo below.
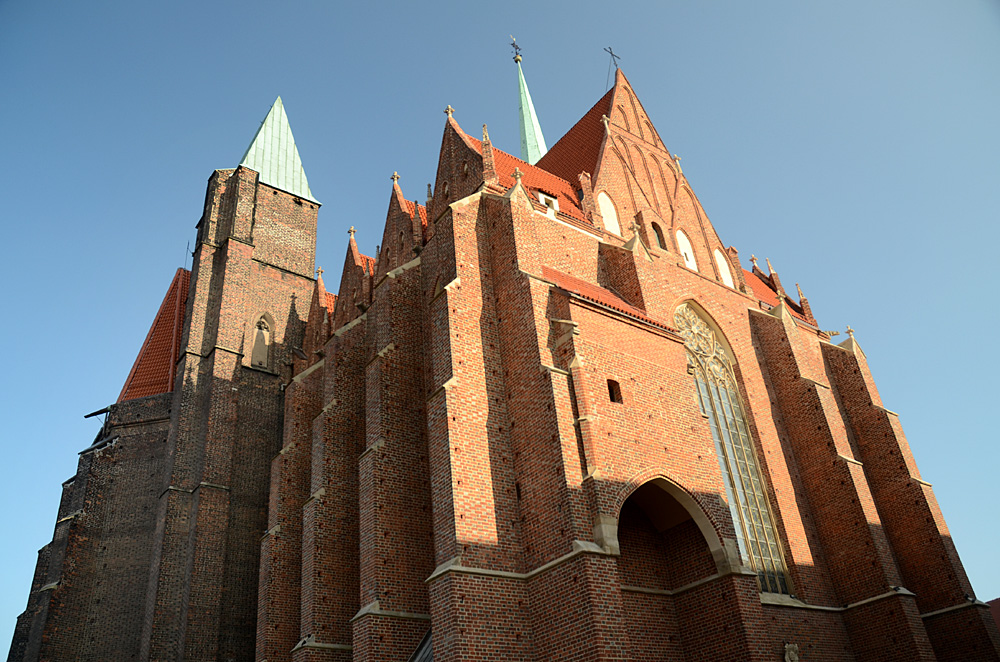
(598, 295)
(764, 293)
(534, 179)
(410, 206)
(155, 367)
(578, 150)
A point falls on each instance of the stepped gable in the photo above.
(579, 150)
(156, 365)
(763, 292)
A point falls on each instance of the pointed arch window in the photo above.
(660, 241)
(719, 399)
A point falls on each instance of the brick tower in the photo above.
(551, 419)
(156, 545)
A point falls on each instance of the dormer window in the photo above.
(551, 203)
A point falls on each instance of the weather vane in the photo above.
(517, 49)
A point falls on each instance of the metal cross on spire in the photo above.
(517, 49)
(614, 60)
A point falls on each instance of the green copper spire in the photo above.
(532, 141)
(273, 154)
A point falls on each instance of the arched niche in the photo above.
(686, 250)
(609, 213)
(724, 272)
(261, 341)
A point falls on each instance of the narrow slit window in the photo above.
(614, 391)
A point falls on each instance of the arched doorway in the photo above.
(662, 549)
(681, 586)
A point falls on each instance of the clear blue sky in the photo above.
(854, 143)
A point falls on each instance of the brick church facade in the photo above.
(551, 419)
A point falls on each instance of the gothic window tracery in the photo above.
(719, 400)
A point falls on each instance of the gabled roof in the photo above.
(534, 179)
(155, 367)
(763, 292)
(420, 209)
(579, 149)
(273, 154)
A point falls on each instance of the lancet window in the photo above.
(719, 399)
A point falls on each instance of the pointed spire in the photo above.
(532, 141)
(272, 153)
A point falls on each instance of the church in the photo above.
(553, 417)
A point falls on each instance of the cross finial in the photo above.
(351, 231)
(449, 110)
(517, 175)
(395, 177)
(677, 162)
(614, 58)
(319, 272)
(850, 331)
(753, 259)
(604, 120)
(634, 227)
(517, 49)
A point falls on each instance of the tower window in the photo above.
(614, 391)
(720, 401)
